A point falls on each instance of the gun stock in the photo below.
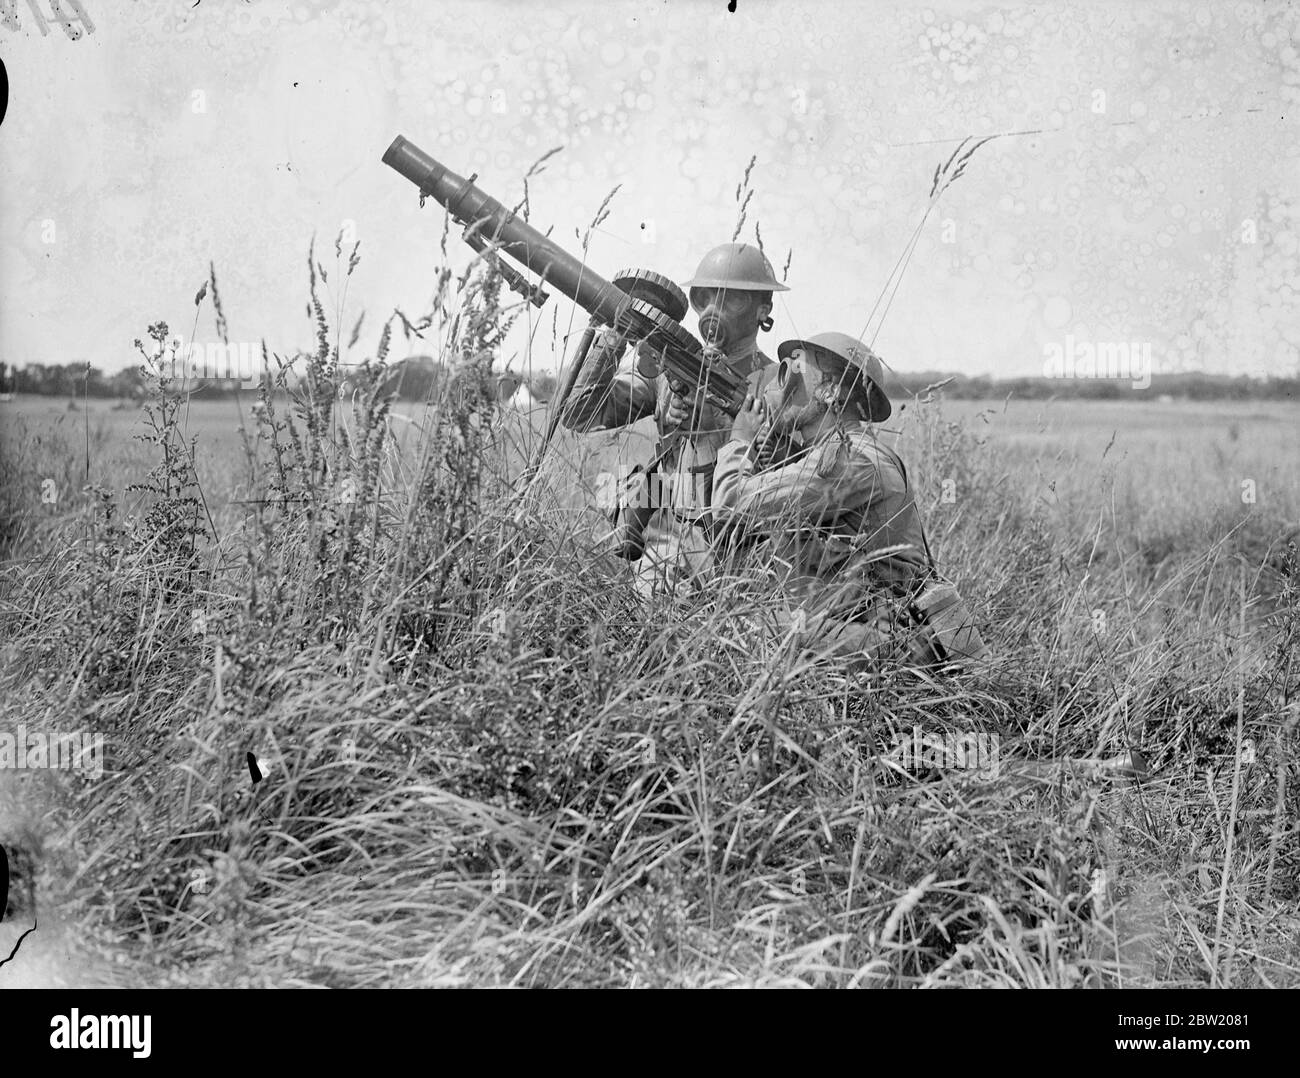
(722, 387)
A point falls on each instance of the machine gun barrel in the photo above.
(509, 233)
(641, 305)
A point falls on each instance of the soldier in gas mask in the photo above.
(731, 294)
(809, 499)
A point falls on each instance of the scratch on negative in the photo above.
(19, 943)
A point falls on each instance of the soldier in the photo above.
(731, 293)
(833, 515)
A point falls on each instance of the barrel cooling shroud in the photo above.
(640, 304)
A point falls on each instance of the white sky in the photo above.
(1117, 225)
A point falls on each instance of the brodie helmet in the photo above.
(737, 266)
(853, 352)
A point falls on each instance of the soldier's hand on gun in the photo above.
(751, 421)
(682, 408)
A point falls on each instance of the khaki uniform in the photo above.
(606, 398)
(837, 524)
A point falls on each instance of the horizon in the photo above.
(891, 376)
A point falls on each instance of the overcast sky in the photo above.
(231, 131)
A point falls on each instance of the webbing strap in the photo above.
(908, 486)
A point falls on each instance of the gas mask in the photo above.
(726, 316)
(804, 392)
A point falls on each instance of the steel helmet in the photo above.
(738, 266)
(853, 352)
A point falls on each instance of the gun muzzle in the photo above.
(508, 232)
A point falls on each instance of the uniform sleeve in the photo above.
(605, 398)
(829, 480)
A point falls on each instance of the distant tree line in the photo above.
(70, 380)
(414, 379)
(417, 378)
(1191, 386)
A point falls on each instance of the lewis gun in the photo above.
(640, 305)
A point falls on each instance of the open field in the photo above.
(488, 762)
(1182, 441)
(1160, 468)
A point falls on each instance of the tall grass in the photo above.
(487, 759)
